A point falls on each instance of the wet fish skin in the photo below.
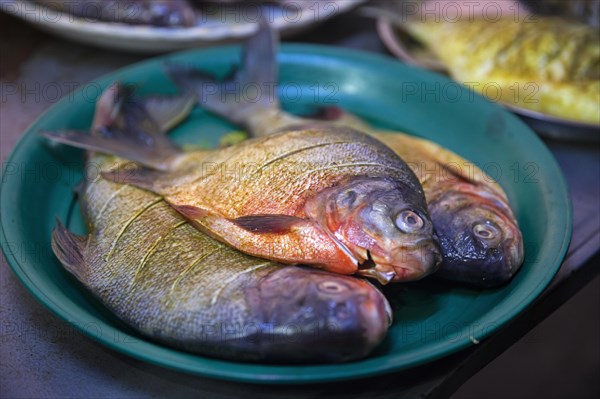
(179, 287)
(462, 201)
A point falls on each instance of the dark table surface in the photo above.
(41, 356)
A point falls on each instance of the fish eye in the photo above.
(331, 287)
(486, 231)
(409, 221)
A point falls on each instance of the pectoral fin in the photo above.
(190, 212)
(69, 249)
(269, 224)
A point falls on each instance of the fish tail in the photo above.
(130, 127)
(248, 92)
(69, 249)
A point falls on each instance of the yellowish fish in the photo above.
(540, 63)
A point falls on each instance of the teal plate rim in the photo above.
(281, 374)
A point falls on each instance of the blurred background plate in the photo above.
(404, 47)
(431, 318)
(224, 24)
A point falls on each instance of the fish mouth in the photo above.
(404, 265)
(380, 272)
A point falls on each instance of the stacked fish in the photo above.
(275, 263)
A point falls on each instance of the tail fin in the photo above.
(250, 88)
(130, 127)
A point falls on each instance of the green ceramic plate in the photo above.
(432, 319)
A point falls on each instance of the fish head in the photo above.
(333, 315)
(383, 224)
(480, 239)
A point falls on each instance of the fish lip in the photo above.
(422, 259)
(385, 269)
(382, 274)
(402, 273)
